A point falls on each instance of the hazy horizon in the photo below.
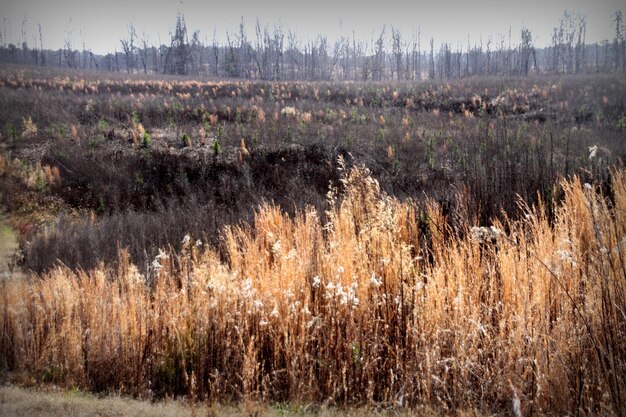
(101, 25)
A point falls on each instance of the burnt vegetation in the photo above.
(154, 148)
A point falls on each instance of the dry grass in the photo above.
(8, 245)
(16, 401)
(381, 306)
(28, 402)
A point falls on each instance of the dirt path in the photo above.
(8, 245)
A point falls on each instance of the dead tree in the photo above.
(42, 59)
(117, 61)
(277, 50)
(580, 44)
(244, 53)
(619, 40)
(431, 69)
(68, 51)
(294, 56)
(143, 52)
(128, 46)
(379, 62)
(231, 57)
(343, 46)
(415, 67)
(216, 53)
(526, 49)
(261, 51)
(396, 47)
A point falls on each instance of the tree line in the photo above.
(271, 53)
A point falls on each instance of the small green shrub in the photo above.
(135, 117)
(146, 140)
(217, 149)
(186, 140)
(103, 126)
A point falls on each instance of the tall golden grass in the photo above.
(380, 303)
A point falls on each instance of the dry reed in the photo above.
(381, 305)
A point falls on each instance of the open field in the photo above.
(454, 246)
(138, 153)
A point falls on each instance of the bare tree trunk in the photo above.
(618, 36)
(216, 53)
(42, 60)
(467, 57)
(431, 71)
(488, 65)
(356, 62)
(396, 39)
(380, 57)
(419, 54)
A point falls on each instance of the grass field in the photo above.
(450, 247)
(74, 403)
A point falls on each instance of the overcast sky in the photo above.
(101, 24)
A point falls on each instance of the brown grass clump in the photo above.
(29, 129)
(52, 175)
(381, 305)
(243, 150)
(3, 164)
(389, 152)
(74, 133)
